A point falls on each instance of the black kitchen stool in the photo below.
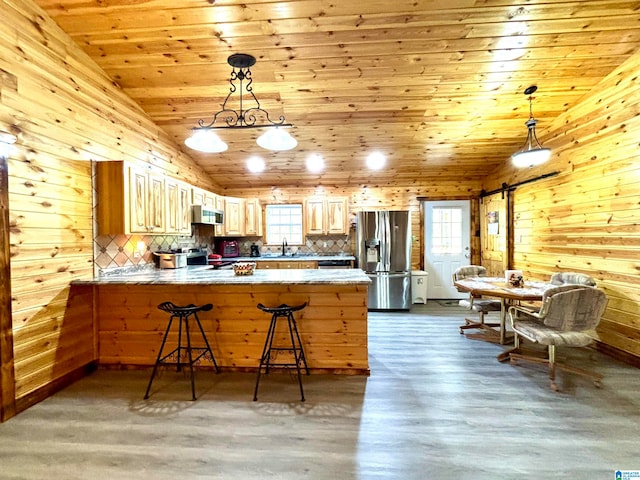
(174, 357)
(283, 311)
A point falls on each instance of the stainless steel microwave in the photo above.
(206, 215)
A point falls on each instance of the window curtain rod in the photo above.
(505, 187)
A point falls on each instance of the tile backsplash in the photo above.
(316, 245)
(111, 251)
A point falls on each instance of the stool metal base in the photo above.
(177, 355)
(270, 353)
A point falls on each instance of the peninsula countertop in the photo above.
(207, 275)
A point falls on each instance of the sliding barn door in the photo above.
(494, 228)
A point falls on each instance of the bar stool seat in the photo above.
(270, 352)
(177, 355)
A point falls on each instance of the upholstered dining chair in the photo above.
(479, 305)
(572, 278)
(567, 318)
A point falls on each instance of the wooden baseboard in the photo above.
(313, 371)
(618, 354)
(45, 392)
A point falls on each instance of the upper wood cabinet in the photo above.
(130, 199)
(326, 216)
(178, 207)
(234, 212)
(253, 217)
(314, 216)
(219, 205)
(336, 216)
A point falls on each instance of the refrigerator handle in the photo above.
(387, 241)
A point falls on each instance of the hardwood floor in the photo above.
(436, 406)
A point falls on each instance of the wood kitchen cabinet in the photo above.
(336, 216)
(326, 216)
(203, 197)
(131, 199)
(286, 265)
(219, 205)
(242, 217)
(178, 207)
(253, 217)
(234, 216)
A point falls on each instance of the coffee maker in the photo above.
(255, 250)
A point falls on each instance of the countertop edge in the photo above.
(205, 275)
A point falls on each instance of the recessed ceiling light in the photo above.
(376, 160)
(315, 163)
(255, 165)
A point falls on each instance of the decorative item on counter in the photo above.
(514, 278)
(243, 268)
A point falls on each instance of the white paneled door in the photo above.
(447, 245)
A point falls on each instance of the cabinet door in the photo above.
(234, 216)
(336, 216)
(184, 208)
(314, 216)
(219, 205)
(174, 215)
(156, 207)
(197, 196)
(253, 217)
(138, 200)
(209, 199)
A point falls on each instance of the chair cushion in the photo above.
(544, 335)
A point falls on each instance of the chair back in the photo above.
(572, 278)
(469, 271)
(573, 308)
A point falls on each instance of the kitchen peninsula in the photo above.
(333, 326)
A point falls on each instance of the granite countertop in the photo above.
(206, 275)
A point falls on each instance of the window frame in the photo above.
(292, 238)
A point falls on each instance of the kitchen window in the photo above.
(284, 222)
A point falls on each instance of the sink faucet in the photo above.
(284, 246)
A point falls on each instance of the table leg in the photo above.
(503, 320)
(504, 356)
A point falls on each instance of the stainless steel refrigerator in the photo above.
(383, 251)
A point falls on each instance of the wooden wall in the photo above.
(587, 218)
(65, 113)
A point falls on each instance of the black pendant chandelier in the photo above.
(204, 139)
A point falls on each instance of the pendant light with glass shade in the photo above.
(204, 137)
(532, 153)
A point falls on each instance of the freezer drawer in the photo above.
(390, 291)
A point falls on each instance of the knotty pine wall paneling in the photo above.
(66, 113)
(587, 218)
(7, 377)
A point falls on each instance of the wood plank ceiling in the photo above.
(435, 85)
